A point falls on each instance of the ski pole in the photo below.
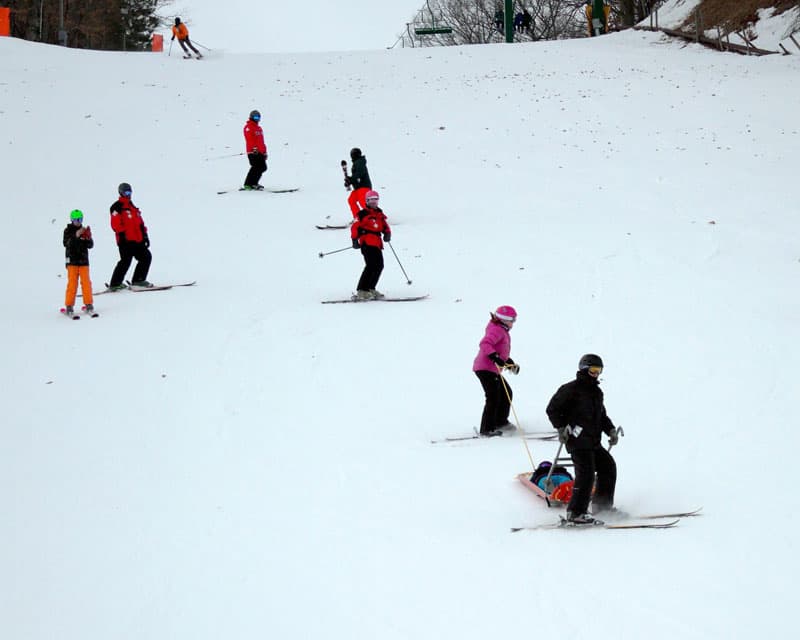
(408, 281)
(327, 253)
(233, 155)
(519, 426)
(548, 483)
(169, 52)
(201, 44)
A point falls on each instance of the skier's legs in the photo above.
(143, 260)
(258, 165)
(357, 200)
(72, 285)
(606, 479)
(368, 275)
(192, 47)
(375, 261)
(86, 285)
(183, 46)
(583, 459)
(492, 392)
(125, 257)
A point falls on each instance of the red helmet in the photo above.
(372, 198)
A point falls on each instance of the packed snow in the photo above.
(235, 459)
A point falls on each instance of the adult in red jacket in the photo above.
(366, 232)
(256, 151)
(132, 240)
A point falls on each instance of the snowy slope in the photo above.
(236, 459)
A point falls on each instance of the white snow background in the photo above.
(237, 460)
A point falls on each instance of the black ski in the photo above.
(72, 315)
(91, 314)
(346, 177)
(386, 299)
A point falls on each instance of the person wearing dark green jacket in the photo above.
(359, 180)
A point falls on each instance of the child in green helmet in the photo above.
(77, 242)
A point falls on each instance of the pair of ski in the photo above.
(76, 316)
(135, 289)
(672, 519)
(265, 190)
(513, 433)
(384, 299)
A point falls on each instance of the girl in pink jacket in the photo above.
(493, 356)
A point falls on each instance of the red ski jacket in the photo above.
(369, 226)
(126, 221)
(254, 137)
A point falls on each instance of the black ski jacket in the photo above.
(360, 176)
(579, 403)
(76, 249)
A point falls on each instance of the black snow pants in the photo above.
(127, 252)
(258, 165)
(497, 407)
(589, 462)
(373, 267)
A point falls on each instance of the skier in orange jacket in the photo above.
(182, 33)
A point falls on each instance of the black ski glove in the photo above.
(497, 359)
(355, 244)
(387, 237)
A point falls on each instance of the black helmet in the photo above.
(355, 153)
(177, 21)
(255, 115)
(124, 189)
(590, 360)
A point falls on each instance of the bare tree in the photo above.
(474, 21)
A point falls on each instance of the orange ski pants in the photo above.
(357, 200)
(73, 275)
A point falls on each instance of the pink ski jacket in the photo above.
(496, 340)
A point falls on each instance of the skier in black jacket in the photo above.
(578, 412)
(360, 182)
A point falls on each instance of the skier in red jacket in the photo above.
(132, 240)
(256, 151)
(366, 233)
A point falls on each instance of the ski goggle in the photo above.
(255, 118)
(77, 220)
(595, 371)
(127, 193)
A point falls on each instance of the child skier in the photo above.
(366, 232)
(77, 242)
(493, 357)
